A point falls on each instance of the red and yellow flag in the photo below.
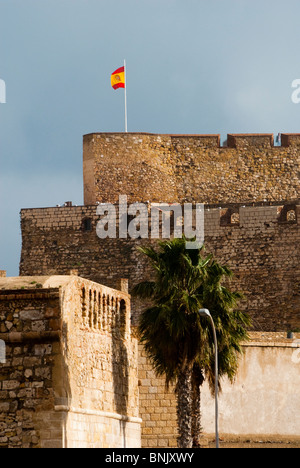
(118, 78)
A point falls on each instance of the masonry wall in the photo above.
(30, 377)
(102, 364)
(193, 168)
(70, 376)
(259, 243)
(157, 407)
(262, 404)
(54, 241)
(262, 247)
(252, 215)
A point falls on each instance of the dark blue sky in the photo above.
(193, 66)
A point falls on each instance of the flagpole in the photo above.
(125, 97)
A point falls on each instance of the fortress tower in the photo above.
(190, 168)
(251, 193)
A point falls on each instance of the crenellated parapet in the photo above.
(190, 168)
(259, 217)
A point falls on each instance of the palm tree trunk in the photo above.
(184, 406)
(197, 381)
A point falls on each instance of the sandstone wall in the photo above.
(30, 377)
(102, 362)
(194, 168)
(70, 376)
(260, 243)
(262, 404)
(157, 407)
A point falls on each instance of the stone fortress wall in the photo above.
(260, 243)
(251, 192)
(70, 373)
(190, 168)
(252, 213)
(258, 410)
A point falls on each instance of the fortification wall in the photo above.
(70, 374)
(190, 168)
(30, 377)
(252, 409)
(260, 244)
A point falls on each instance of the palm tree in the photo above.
(176, 339)
(231, 328)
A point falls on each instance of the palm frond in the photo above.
(144, 290)
(172, 331)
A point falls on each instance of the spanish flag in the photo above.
(118, 78)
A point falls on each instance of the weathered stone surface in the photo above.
(82, 381)
(252, 222)
(194, 168)
(274, 410)
(31, 314)
(258, 242)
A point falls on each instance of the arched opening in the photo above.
(287, 214)
(291, 216)
(104, 312)
(122, 317)
(90, 309)
(87, 224)
(235, 218)
(83, 306)
(95, 311)
(100, 311)
(229, 217)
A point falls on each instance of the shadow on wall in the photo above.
(64, 397)
(120, 364)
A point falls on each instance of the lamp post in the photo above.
(206, 313)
